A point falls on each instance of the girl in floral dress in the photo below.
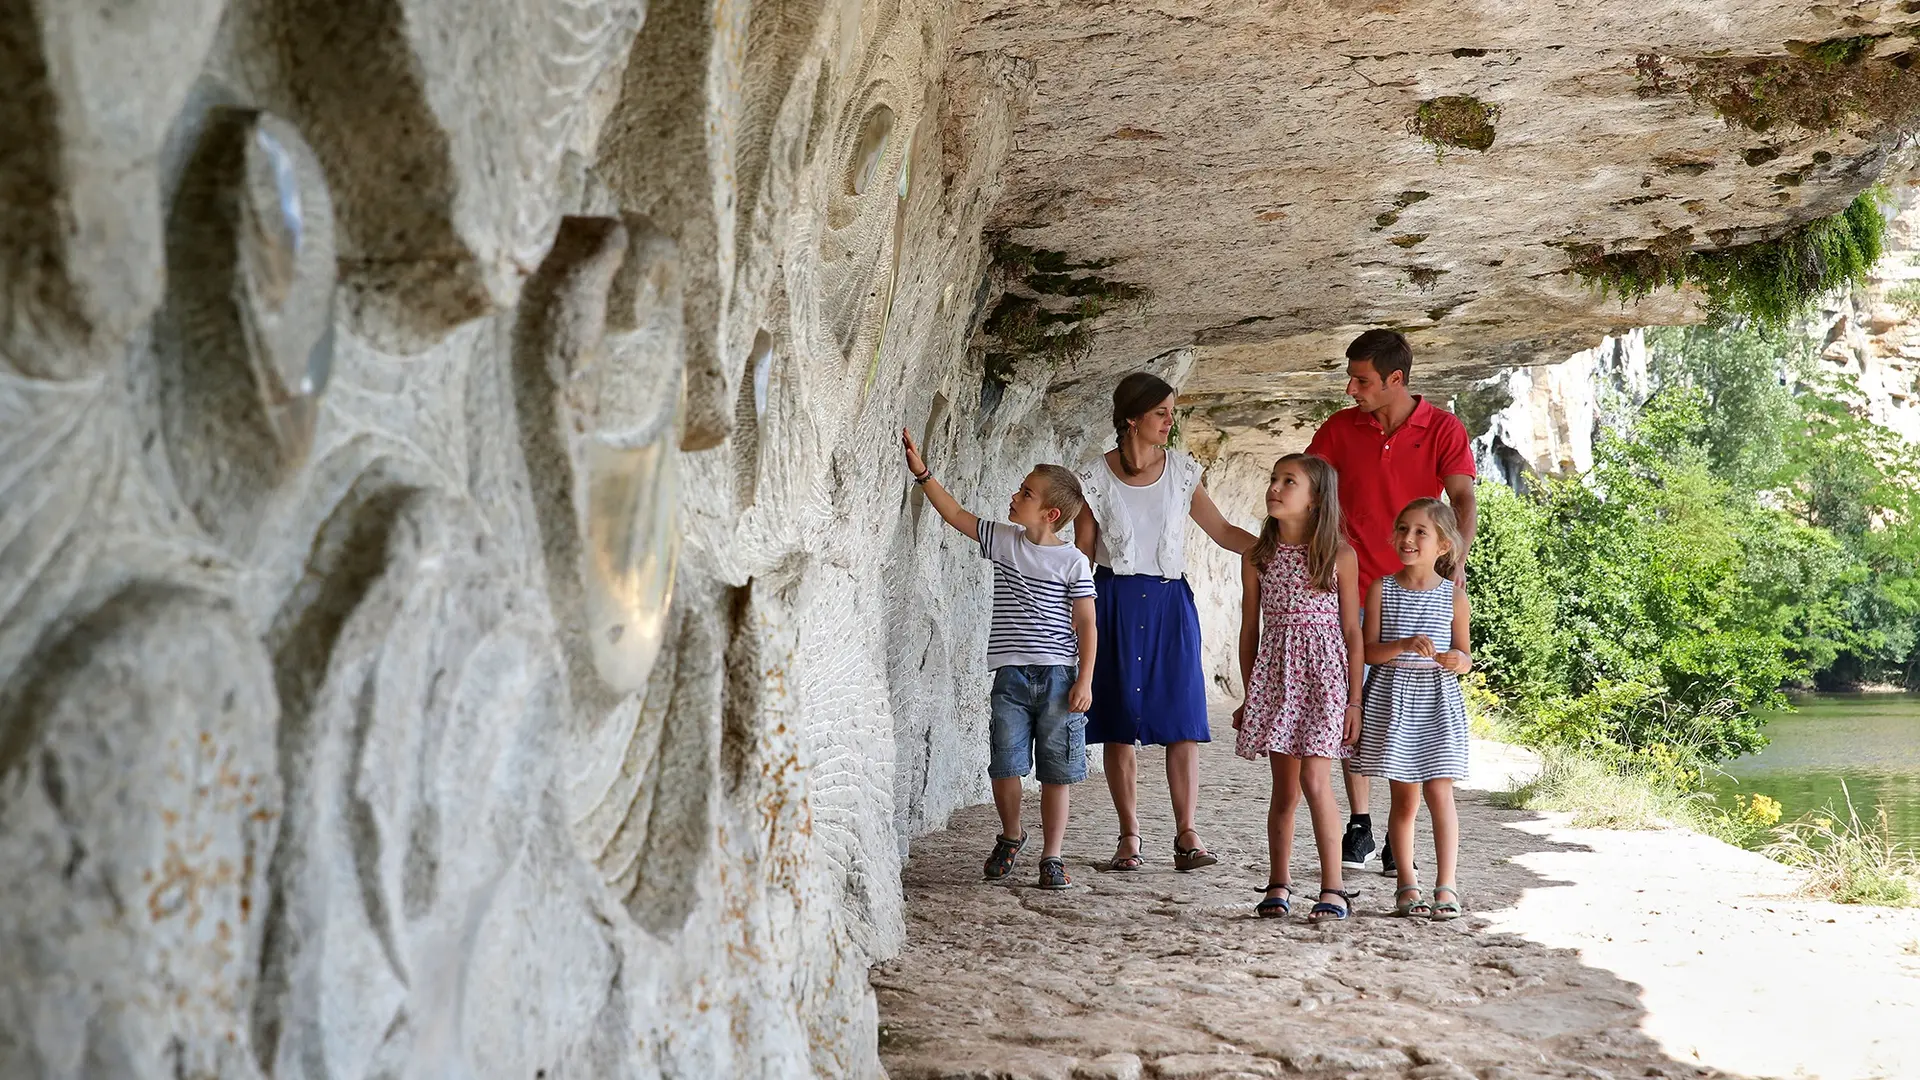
(1300, 660)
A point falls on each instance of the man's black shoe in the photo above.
(1357, 846)
(1388, 867)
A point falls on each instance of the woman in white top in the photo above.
(1148, 685)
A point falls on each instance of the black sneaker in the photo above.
(1357, 846)
(1389, 868)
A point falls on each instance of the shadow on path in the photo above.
(1162, 974)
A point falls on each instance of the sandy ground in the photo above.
(1585, 954)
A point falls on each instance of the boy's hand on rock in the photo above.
(914, 464)
(1080, 698)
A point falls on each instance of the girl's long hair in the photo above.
(1136, 396)
(1323, 542)
(1445, 520)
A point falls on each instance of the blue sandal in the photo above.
(1275, 906)
(1325, 912)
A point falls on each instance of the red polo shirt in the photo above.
(1380, 475)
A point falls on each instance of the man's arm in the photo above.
(1086, 628)
(950, 509)
(1215, 525)
(1460, 497)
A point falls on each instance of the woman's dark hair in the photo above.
(1134, 398)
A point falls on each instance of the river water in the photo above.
(1869, 742)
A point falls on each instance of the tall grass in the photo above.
(1848, 860)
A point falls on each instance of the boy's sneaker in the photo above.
(1005, 851)
(1357, 846)
(1053, 873)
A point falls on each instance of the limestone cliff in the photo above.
(461, 609)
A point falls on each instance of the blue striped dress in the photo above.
(1413, 720)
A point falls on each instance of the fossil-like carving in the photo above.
(284, 275)
(246, 337)
(875, 131)
(601, 385)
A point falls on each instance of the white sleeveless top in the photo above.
(1143, 530)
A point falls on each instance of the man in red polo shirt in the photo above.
(1388, 450)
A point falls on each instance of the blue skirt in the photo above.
(1147, 682)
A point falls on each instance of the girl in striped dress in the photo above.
(1414, 721)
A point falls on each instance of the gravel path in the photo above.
(1161, 974)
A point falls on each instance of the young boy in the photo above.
(1041, 648)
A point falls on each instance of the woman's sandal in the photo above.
(1443, 910)
(1127, 862)
(1410, 908)
(1193, 858)
(1275, 906)
(1325, 912)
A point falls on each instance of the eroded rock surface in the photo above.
(461, 611)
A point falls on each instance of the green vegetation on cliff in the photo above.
(1772, 282)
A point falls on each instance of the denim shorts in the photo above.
(1031, 720)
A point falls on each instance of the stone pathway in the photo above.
(1161, 974)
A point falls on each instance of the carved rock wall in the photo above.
(458, 615)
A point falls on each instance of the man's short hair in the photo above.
(1386, 350)
(1060, 490)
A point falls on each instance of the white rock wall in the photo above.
(458, 611)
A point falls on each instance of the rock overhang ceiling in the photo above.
(1259, 172)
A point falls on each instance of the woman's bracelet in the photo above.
(1355, 706)
(923, 477)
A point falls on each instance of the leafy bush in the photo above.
(1738, 536)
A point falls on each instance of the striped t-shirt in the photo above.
(1034, 586)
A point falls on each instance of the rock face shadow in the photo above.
(1158, 973)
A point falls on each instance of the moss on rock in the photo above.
(1772, 282)
(1458, 121)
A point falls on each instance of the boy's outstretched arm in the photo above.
(950, 511)
(1080, 698)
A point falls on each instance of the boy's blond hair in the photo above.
(1060, 490)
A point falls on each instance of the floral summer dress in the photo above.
(1297, 695)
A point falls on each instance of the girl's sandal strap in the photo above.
(1271, 906)
(1414, 907)
(1325, 912)
(1444, 910)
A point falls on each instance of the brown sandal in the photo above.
(1121, 862)
(1193, 858)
